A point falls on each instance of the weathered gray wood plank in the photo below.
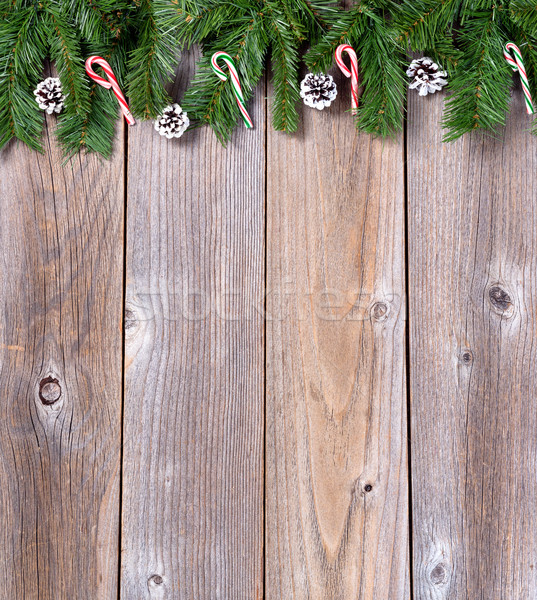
(473, 292)
(336, 470)
(61, 233)
(193, 452)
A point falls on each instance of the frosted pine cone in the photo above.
(318, 90)
(426, 76)
(173, 122)
(48, 95)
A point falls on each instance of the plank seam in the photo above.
(407, 354)
(123, 362)
(265, 282)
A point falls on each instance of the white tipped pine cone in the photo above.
(173, 122)
(318, 90)
(426, 76)
(48, 95)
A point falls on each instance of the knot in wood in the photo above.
(130, 318)
(500, 299)
(438, 574)
(368, 488)
(467, 358)
(379, 311)
(49, 390)
(156, 580)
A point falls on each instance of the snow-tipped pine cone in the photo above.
(173, 122)
(48, 95)
(318, 90)
(426, 75)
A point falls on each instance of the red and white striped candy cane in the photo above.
(111, 82)
(517, 65)
(352, 72)
(234, 81)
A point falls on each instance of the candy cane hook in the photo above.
(111, 82)
(352, 72)
(235, 82)
(517, 65)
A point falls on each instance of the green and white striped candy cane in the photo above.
(235, 82)
(517, 65)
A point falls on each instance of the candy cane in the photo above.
(111, 82)
(235, 82)
(352, 72)
(517, 65)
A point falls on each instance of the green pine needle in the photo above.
(212, 100)
(142, 38)
(348, 29)
(480, 93)
(152, 63)
(380, 110)
(524, 14)
(22, 52)
(249, 30)
(368, 28)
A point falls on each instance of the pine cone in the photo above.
(48, 95)
(318, 90)
(173, 122)
(426, 76)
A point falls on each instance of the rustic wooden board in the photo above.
(473, 264)
(61, 232)
(336, 459)
(193, 451)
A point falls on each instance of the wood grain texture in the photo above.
(193, 453)
(473, 298)
(61, 232)
(336, 470)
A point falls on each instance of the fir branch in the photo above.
(282, 24)
(66, 54)
(22, 52)
(88, 18)
(67, 32)
(524, 14)
(152, 62)
(480, 88)
(318, 16)
(98, 20)
(94, 131)
(384, 88)
(423, 23)
(212, 100)
(193, 24)
(285, 71)
(141, 38)
(367, 28)
(348, 29)
(283, 15)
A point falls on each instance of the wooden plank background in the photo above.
(193, 450)
(337, 497)
(61, 353)
(205, 356)
(472, 265)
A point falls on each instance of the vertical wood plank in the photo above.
(193, 453)
(336, 470)
(473, 291)
(61, 232)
